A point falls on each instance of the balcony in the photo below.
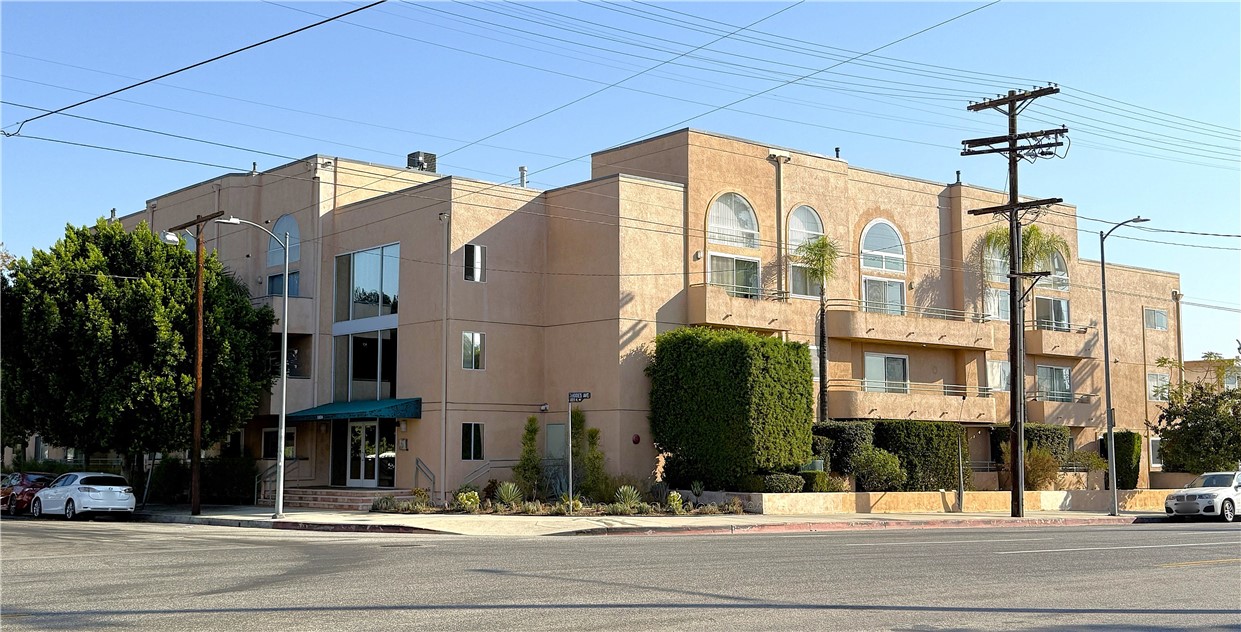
(1065, 409)
(903, 324)
(738, 306)
(301, 312)
(301, 396)
(870, 399)
(1061, 339)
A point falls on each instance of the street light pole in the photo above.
(1107, 368)
(284, 361)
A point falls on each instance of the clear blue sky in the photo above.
(1151, 99)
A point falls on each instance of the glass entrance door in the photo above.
(363, 444)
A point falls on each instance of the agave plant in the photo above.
(509, 493)
(628, 496)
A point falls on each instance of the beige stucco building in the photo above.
(432, 314)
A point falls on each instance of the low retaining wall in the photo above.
(1171, 480)
(937, 502)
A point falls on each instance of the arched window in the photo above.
(732, 222)
(1059, 271)
(804, 226)
(275, 255)
(882, 248)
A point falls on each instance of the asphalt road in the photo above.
(107, 575)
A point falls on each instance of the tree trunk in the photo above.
(822, 353)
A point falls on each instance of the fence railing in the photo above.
(901, 309)
(421, 469)
(1063, 397)
(486, 467)
(268, 475)
(887, 386)
(749, 291)
(1044, 324)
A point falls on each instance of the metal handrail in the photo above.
(885, 386)
(421, 468)
(268, 474)
(938, 313)
(1079, 398)
(487, 466)
(749, 291)
(1052, 325)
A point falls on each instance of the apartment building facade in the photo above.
(430, 315)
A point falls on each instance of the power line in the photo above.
(191, 66)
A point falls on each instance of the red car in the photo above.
(17, 490)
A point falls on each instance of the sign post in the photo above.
(575, 397)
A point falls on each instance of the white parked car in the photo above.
(80, 493)
(1212, 494)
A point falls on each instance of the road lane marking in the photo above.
(1115, 548)
(944, 542)
(1201, 562)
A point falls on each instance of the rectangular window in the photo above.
(555, 441)
(999, 375)
(1054, 384)
(801, 283)
(886, 373)
(344, 279)
(1157, 386)
(270, 447)
(340, 368)
(1156, 458)
(472, 350)
(471, 442)
(476, 263)
(739, 277)
(275, 284)
(998, 304)
(814, 362)
(1232, 380)
(364, 366)
(390, 275)
(1051, 313)
(367, 283)
(883, 296)
(995, 266)
(1155, 318)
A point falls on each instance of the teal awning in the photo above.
(409, 408)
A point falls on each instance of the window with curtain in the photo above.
(1051, 313)
(738, 276)
(1054, 384)
(732, 222)
(999, 375)
(883, 296)
(886, 373)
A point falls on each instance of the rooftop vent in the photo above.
(422, 161)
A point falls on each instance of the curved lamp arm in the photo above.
(1137, 220)
(237, 220)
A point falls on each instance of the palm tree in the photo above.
(1037, 245)
(819, 256)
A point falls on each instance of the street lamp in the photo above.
(284, 358)
(1107, 368)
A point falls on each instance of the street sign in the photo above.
(578, 396)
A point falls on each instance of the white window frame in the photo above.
(887, 388)
(478, 269)
(733, 290)
(481, 433)
(731, 235)
(865, 303)
(809, 282)
(1052, 325)
(1156, 458)
(1148, 312)
(290, 442)
(1045, 396)
(1007, 370)
(995, 265)
(814, 362)
(1162, 380)
(994, 304)
(1232, 379)
(478, 340)
(884, 257)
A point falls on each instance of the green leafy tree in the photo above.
(1200, 428)
(595, 483)
(98, 344)
(820, 256)
(529, 468)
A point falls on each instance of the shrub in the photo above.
(675, 504)
(489, 490)
(421, 495)
(532, 507)
(697, 488)
(781, 483)
(1086, 460)
(710, 509)
(468, 501)
(170, 481)
(1042, 469)
(659, 492)
(1056, 439)
(383, 503)
(1128, 458)
(752, 484)
(618, 509)
(847, 437)
(818, 482)
(734, 506)
(470, 487)
(877, 470)
(926, 449)
(529, 466)
(726, 403)
(575, 504)
(509, 493)
(647, 508)
(837, 483)
(821, 448)
(595, 481)
(628, 496)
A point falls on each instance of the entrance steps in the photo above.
(331, 498)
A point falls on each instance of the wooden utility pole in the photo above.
(1031, 146)
(196, 452)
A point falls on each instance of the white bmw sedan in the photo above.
(80, 493)
(1215, 494)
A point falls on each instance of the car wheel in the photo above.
(1227, 511)
(36, 508)
(11, 508)
(70, 514)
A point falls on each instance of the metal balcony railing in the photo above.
(888, 386)
(901, 309)
(1058, 325)
(751, 292)
(1062, 397)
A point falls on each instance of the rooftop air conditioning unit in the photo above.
(422, 161)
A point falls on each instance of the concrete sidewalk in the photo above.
(527, 526)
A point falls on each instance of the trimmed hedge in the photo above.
(877, 470)
(847, 437)
(781, 483)
(1128, 458)
(821, 448)
(1055, 439)
(727, 403)
(818, 482)
(926, 449)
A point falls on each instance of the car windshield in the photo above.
(1212, 480)
(104, 480)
